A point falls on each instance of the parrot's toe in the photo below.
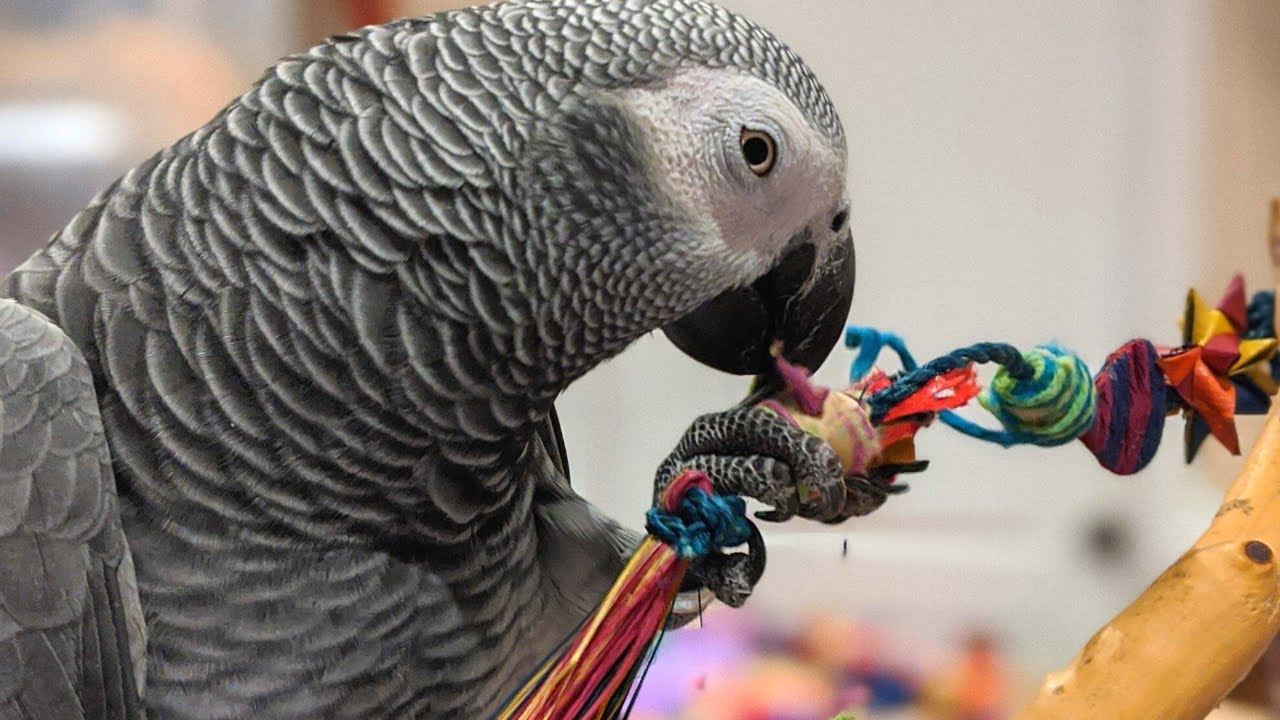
(756, 454)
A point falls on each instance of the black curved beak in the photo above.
(735, 331)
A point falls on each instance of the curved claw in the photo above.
(862, 497)
(733, 577)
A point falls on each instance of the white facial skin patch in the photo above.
(693, 123)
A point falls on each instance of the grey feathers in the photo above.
(66, 638)
(324, 331)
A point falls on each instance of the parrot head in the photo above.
(772, 184)
(593, 170)
(697, 175)
(736, 155)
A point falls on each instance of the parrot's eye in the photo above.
(759, 150)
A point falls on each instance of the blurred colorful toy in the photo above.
(975, 688)
(739, 665)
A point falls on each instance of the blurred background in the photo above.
(1021, 171)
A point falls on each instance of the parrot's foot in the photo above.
(757, 454)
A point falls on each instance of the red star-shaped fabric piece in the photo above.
(1233, 303)
(1207, 394)
(1221, 353)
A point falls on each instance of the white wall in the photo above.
(1021, 171)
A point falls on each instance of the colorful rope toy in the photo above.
(1226, 365)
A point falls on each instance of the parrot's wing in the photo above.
(69, 610)
(553, 441)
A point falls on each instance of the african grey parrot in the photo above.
(298, 369)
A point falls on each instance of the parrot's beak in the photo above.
(802, 306)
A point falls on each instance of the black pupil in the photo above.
(756, 151)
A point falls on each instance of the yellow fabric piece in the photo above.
(1260, 376)
(1254, 353)
(1206, 320)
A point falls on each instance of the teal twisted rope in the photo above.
(702, 524)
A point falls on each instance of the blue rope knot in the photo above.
(702, 524)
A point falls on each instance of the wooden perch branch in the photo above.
(1194, 634)
(1178, 649)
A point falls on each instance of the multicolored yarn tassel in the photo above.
(593, 676)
